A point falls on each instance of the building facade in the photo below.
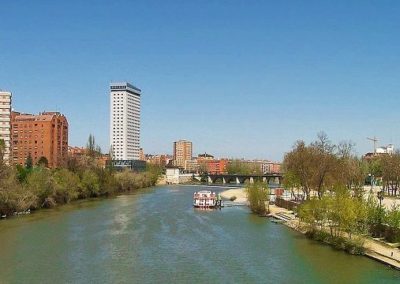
(125, 121)
(5, 123)
(191, 166)
(159, 160)
(182, 152)
(43, 135)
(217, 166)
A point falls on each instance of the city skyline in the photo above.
(253, 82)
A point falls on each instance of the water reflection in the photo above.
(156, 236)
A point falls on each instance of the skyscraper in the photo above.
(182, 152)
(5, 124)
(125, 121)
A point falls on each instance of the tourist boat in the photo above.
(206, 199)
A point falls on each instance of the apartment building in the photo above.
(42, 135)
(5, 123)
(182, 152)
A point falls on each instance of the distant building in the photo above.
(142, 157)
(125, 121)
(76, 151)
(191, 166)
(205, 156)
(159, 160)
(43, 135)
(270, 167)
(383, 150)
(133, 165)
(389, 149)
(103, 160)
(174, 175)
(5, 123)
(182, 152)
(216, 166)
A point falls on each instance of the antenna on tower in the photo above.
(375, 140)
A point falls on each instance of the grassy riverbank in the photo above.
(33, 188)
(357, 245)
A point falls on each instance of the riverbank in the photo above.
(374, 249)
(239, 193)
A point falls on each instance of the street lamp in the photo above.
(370, 182)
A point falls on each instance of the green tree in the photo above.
(66, 186)
(258, 197)
(90, 184)
(93, 150)
(29, 162)
(241, 167)
(2, 150)
(41, 184)
(43, 162)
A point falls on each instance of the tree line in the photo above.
(36, 186)
(332, 179)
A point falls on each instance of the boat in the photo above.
(206, 199)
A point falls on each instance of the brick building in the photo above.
(76, 151)
(43, 135)
(182, 152)
(214, 166)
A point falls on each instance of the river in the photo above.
(155, 236)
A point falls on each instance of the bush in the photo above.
(258, 195)
(355, 246)
(23, 188)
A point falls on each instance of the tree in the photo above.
(66, 185)
(258, 197)
(29, 162)
(391, 172)
(324, 161)
(90, 184)
(43, 162)
(2, 150)
(239, 167)
(41, 184)
(292, 182)
(93, 150)
(298, 163)
(321, 165)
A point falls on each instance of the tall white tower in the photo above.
(125, 121)
(5, 123)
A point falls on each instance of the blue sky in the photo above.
(238, 78)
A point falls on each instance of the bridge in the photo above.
(275, 178)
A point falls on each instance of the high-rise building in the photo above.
(125, 121)
(182, 152)
(43, 135)
(5, 123)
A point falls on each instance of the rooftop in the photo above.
(117, 86)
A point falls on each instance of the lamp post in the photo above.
(370, 182)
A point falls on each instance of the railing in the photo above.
(287, 204)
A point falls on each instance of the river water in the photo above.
(155, 236)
